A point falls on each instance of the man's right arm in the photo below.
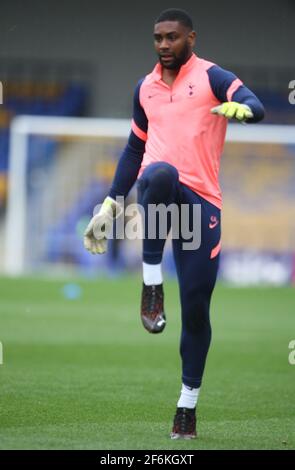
(96, 233)
(131, 158)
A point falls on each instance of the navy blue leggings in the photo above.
(196, 269)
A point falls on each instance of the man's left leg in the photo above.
(197, 272)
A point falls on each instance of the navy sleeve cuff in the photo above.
(245, 96)
(128, 167)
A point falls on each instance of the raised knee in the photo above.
(163, 173)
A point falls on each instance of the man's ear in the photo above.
(192, 38)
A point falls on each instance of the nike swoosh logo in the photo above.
(152, 95)
(213, 224)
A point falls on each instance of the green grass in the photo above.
(84, 374)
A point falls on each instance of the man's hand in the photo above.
(95, 235)
(232, 109)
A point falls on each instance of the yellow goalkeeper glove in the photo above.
(232, 109)
(99, 227)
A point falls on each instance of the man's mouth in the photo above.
(166, 57)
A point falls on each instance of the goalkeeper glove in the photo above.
(99, 227)
(232, 109)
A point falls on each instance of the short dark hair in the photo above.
(176, 14)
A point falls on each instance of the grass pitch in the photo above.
(84, 374)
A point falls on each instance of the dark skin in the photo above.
(174, 45)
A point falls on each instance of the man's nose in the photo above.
(164, 44)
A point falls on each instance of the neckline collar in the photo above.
(157, 72)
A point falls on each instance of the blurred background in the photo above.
(77, 370)
(74, 59)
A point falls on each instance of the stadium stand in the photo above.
(36, 98)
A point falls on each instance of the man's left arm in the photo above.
(237, 100)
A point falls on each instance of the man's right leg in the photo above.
(157, 185)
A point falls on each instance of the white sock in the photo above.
(152, 274)
(188, 397)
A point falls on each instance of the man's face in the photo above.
(173, 43)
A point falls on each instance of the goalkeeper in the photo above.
(179, 124)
